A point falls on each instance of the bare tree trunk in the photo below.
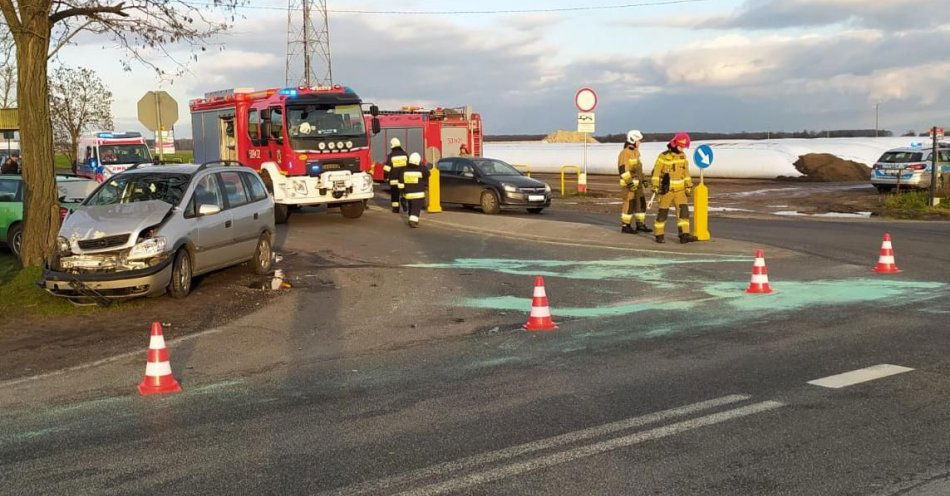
(41, 208)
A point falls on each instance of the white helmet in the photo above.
(415, 158)
(634, 136)
(393, 143)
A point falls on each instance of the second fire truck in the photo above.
(309, 144)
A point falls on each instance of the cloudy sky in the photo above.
(703, 65)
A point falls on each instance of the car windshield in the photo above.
(140, 187)
(490, 167)
(305, 122)
(123, 154)
(900, 157)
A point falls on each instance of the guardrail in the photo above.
(564, 170)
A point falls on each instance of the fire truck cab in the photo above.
(309, 144)
(434, 134)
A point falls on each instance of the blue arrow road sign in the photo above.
(703, 157)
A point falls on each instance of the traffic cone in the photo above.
(885, 262)
(540, 319)
(760, 276)
(158, 372)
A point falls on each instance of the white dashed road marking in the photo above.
(858, 376)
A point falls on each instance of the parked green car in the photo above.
(71, 189)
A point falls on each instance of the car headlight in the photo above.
(547, 188)
(151, 247)
(510, 188)
(63, 245)
(367, 182)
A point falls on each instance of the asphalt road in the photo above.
(400, 369)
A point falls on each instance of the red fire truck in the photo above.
(310, 144)
(432, 133)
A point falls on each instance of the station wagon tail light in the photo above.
(917, 166)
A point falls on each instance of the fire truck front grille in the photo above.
(351, 165)
(103, 243)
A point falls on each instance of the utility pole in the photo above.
(308, 44)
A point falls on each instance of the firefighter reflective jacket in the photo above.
(630, 168)
(413, 181)
(397, 158)
(675, 165)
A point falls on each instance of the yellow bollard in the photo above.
(435, 193)
(701, 212)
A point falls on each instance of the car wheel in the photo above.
(281, 213)
(352, 210)
(182, 273)
(490, 203)
(15, 239)
(263, 260)
(535, 210)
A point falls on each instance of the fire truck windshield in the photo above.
(123, 154)
(307, 124)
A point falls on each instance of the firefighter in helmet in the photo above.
(672, 183)
(395, 161)
(631, 183)
(413, 181)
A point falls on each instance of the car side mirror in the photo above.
(375, 125)
(373, 110)
(208, 209)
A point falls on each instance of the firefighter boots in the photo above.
(687, 238)
(641, 227)
(659, 238)
(627, 229)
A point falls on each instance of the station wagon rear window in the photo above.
(900, 157)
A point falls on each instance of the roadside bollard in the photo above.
(435, 192)
(701, 212)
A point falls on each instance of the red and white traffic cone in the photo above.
(760, 276)
(885, 262)
(540, 319)
(158, 372)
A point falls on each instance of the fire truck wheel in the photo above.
(281, 213)
(352, 210)
(490, 203)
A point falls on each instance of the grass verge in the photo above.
(20, 297)
(915, 205)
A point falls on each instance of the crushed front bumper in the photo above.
(119, 285)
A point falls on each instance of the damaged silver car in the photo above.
(153, 228)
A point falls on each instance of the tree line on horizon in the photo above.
(745, 135)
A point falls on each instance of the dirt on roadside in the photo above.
(35, 344)
(826, 167)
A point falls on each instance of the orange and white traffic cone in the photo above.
(885, 262)
(158, 372)
(540, 319)
(760, 276)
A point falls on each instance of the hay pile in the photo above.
(567, 137)
(826, 167)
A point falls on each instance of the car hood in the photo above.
(91, 222)
(518, 181)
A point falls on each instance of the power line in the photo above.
(469, 12)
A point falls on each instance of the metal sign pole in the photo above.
(158, 134)
(933, 171)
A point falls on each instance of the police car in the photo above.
(909, 166)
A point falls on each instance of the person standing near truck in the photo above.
(673, 184)
(631, 183)
(395, 161)
(413, 181)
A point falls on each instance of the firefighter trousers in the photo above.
(676, 199)
(415, 209)
(634, 206)
(394, 196)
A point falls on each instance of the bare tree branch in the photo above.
(91, 11)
